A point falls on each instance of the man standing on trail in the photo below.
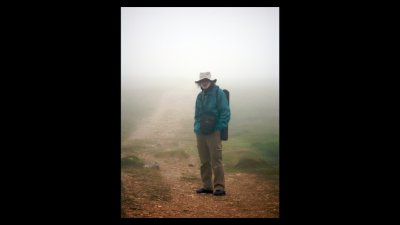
(212, 114)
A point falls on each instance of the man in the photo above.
(212, 114)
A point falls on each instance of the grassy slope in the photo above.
(253, 129)
(135, 104)
(253, 134)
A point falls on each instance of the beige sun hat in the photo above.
(205, 75)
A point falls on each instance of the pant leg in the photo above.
(215, 145)
(205, 160)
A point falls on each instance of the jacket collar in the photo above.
(209, 88)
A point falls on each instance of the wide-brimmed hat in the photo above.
(205, 75)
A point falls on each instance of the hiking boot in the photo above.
(219, 192)
(202, 190)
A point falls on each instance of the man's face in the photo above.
(205, 83)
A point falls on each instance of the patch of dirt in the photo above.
(251, 163)
(169, 192)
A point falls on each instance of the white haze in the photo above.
(167, 47)
(163, 51)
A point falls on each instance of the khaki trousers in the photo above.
(210, 152)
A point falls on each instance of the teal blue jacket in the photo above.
(211, 101)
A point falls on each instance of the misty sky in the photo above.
(167, 45)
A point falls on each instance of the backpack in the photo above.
(224, 132)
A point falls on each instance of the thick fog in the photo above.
(164, 49)
(170, 46)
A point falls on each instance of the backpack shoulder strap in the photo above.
(217, 96)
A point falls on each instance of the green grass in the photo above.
(131, 161)
(250, 162)
(269, 151)
(253, 148)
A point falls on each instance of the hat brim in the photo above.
(215, 80)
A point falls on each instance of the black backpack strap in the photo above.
(217, 99)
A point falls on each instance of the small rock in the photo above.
(153, 165)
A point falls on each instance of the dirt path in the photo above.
(169, 192)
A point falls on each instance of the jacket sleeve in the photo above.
(224, 112)
(197, 116)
